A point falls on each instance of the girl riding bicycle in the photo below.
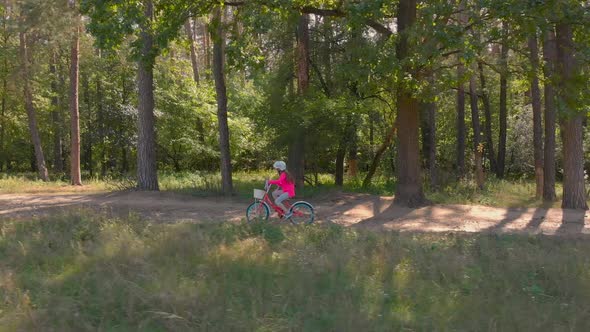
(286, 187)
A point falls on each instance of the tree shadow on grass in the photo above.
(125, 276)
(572, 223)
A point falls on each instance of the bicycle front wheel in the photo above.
(303, 213)
(257, 211)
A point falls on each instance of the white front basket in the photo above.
(259, 194)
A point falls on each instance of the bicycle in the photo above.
(302, 212)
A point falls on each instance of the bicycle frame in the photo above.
(268, 201)
(299, 211)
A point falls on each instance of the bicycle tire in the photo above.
(303, 213)
(263, 213)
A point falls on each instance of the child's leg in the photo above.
(276, 194)
(279, 201)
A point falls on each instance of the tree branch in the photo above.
(339, 13)
(322, 81)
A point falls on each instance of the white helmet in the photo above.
(280, 165)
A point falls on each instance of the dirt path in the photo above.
(357, 210)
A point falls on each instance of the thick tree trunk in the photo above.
(503, 103)
(537, 118)
(194, 60)
(409, 186)
(297, 147)
(219, 76)
(147, 171)
(75, 174)
(549, 55)
(488, 120)
(297, 159)
(461, 131)
(574, 193)
(477, 151)
(58, 166)
(30, 108)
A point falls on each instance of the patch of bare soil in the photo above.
(356, 210)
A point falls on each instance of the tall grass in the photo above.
(86, 272)
(497, 192)
(29, 183)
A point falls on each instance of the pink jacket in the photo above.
(286, 185)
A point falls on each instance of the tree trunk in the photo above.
(503, 102)
(35, 138)
(488, 117)
(191, 40)
(327, 50)
(88, 135)
(353, 157)
(3, 153)
(461, 132)
(297, 147)
(409, 186)
(219, 76)
(477, 149)
(101, 122)
(3, 118)
(537, 118)
(346, 140)
(340, 154)
(124, 142)
(195, 65)
(549, 55)
(425, 135)
(58, 166)
(574, 193)
(147, 171)
(377, 157)
(75, 176)
(206, 47)
(297, 159)
(429, 140)
(353, 151)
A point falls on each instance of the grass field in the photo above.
(87, 272)
(498, 193)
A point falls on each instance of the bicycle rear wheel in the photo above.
(257, 211)
(303, 213)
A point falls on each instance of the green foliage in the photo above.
(350, 105)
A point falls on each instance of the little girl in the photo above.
(286, 186)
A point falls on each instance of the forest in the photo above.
(439, 149)
(421, 92)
